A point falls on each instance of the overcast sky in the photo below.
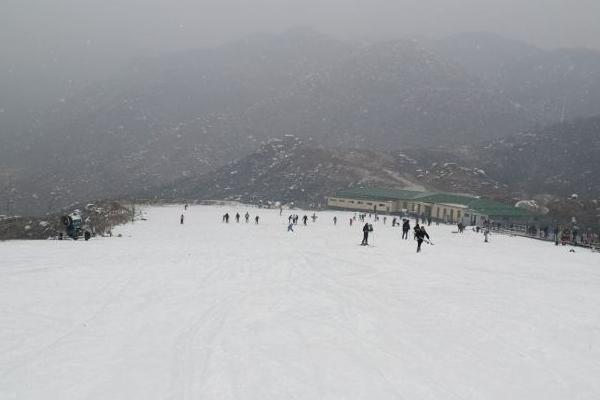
(81, 38)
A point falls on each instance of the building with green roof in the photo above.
(448, 207)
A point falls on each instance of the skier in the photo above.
(314, 218)
(256, 219)
(405, 229)
(226, 218)
(247, 216)
(335, 220)
(351, 220)
(237, 218)
(384, 219)
(394, 221)
(185, 207)
(420, 235)
(290, 227)
(304, 219)
(366, 230)
(181, 220)
(486, 233)
(280, 210)
(416, 230)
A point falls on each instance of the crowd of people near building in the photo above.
(559, 234)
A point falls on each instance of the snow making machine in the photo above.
(74, 226)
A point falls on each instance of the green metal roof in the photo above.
(379, 194)
(483, 206)
(447, 198)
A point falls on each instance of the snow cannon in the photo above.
(73, 224)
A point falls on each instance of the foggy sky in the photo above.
(67, 42)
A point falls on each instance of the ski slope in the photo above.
(208, 310)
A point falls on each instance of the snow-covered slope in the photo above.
(210, 310)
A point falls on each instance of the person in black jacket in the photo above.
(420, 235)
(405, 229)
(365, 241)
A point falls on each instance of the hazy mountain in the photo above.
(189, 113)
(549, 85)
(562, 159)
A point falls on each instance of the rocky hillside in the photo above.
(562, 159)
(292, 170)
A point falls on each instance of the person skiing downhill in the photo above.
(247, 216)
(335, 220)
(420, 235)
(416, 230)
(181, 220)
(366, 229)
(304, 219)
(256, 219)
(237, 218)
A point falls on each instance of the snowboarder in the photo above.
(237, 218)
(335, 220)
(420, 235)
(247, 216)
(366, 229)
(256, 219)
(405, 229)
(181, 220)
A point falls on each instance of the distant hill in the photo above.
(188, 114)
(562, 159)
(549, 85)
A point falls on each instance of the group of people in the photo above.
(419, 232)
(293, 220)
(238, 216)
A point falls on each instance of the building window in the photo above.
(382, 205)
(458, 214)
(405, 205)
(359, 202)
(369, 204)
(437, 212)
(342, 201)
(352, 201)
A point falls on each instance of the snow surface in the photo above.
(214, 311)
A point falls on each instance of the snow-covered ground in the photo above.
(210, 310)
